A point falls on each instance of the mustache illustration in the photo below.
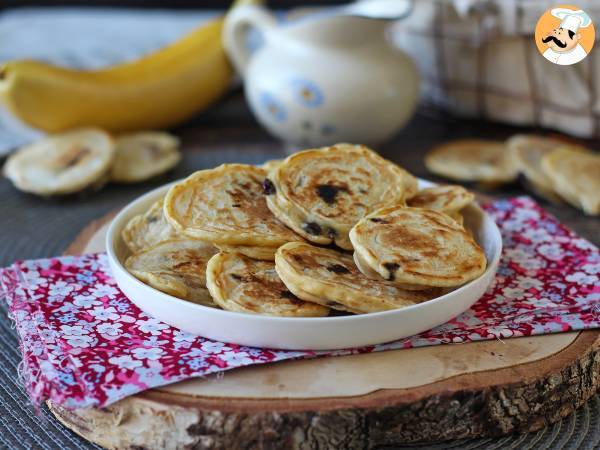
(556, 41)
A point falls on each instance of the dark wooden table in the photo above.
(31, 227)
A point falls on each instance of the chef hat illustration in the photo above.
(572, 20)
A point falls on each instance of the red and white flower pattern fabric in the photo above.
(85, 344)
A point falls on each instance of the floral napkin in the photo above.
(85, 344)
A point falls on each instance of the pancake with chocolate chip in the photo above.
(147, 230)
(418, 246)
(448, 198)
(369, 272)
(322, 193)
(242, 284)
(330, 278)
(478, 160)
(262, 253)
(576, 177)
(226, 206)
(177, 268)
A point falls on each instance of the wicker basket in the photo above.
(479, 59)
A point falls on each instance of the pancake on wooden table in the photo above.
(330, 278)
(322, 193)
(575, 176)
(147, 230)
(177, 268)
(448, 198)
(488, 162)
(226, 206)
(528, 151)
(418, 246)
(242, 284)
(63, 163)
(143, 155)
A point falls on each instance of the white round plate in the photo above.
(321, 333)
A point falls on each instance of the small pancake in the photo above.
(330, 277)
(367, 271)
(322, 193)
(242, 284)
(62, 163)
(262, 253)
(418, 246)
(148, 230)
(143, 155)
(177, 268)
(528, 151)
(226, 206)
(575, 176)
(448, 199)
(472, 160)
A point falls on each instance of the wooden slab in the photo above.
(361, 401)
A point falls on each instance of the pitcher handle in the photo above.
(237, 24)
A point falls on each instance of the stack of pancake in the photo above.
(336, 229)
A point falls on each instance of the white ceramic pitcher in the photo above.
(321, 80)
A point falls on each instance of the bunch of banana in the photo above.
(156, 91)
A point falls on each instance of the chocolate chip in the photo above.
(236, 205)
(378, 220)
(268, 187)
(328, 192)
(312, 228)
(235, 276)
(391, 268)
(331, 233)
(337, 268)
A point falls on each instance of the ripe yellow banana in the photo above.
(156, 91)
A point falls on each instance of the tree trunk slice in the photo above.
(478, 389)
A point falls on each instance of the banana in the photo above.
(156, 91)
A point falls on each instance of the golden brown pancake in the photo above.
(148, 230)
(177, 268)
(369, 272)
(226, 206)
(322, 193)
(418, 246)
(330, 277)
(448, 199)
(528, 151)
(472, 160)
(242, 284)
(575, 176)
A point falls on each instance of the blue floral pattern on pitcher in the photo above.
(307, 93)
(273, 107)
